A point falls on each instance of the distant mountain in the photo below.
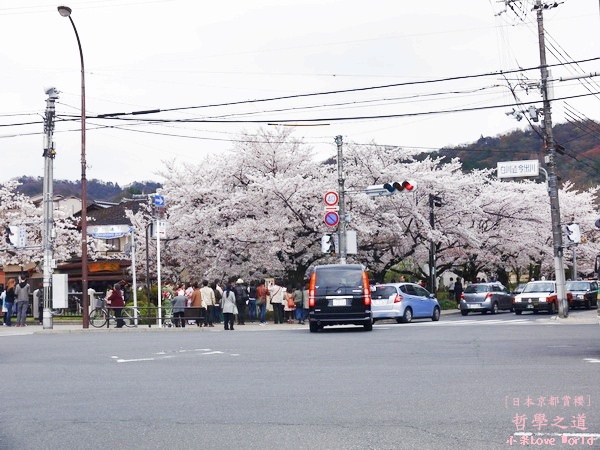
(578, 151)
(96, 189)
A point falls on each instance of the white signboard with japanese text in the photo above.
(511, 169)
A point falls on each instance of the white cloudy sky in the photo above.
(176, 54)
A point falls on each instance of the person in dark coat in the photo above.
(458, 290)
(116, 302)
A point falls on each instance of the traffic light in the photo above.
(573, 233)
(328, 244)
(379, 190)
(404, 186)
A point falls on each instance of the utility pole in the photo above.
(48, 205)
(434, 201)
(550, 159)
(342, 202)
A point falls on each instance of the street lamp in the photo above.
(65, 11)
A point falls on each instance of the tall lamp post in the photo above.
(65, 11)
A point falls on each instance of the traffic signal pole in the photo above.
(48, 207)
(550, 159)
(342, 203)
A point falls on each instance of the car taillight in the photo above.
(398, 298)
(366, 289)
(488, 295)
(311, 290)
(462, 296)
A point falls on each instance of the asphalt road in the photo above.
(457, 383)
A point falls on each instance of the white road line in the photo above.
(172, 354)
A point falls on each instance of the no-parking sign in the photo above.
(331, 218)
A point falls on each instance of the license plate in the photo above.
(339, 302)
(529, 306)
(475, 306)
(379, 302)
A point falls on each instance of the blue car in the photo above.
(403, 302)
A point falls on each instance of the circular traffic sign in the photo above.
(331, 198)
(332, 218)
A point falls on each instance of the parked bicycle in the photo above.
(103, 315)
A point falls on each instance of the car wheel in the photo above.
(436, 314)
(494, 309)
(484, 311)
(313, 327)
(518, 312)
(407, 317)
(587, 304)
(369, 326)
(464, 312)
(553, 308)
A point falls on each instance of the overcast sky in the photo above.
(183, 56)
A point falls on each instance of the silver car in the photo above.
(484, 297)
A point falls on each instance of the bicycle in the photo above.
(101, 315)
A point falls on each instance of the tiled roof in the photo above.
(115, 215)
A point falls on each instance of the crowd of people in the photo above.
(233, 303)
(203, 304)
(15, 298)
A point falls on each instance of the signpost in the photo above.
(331, 199)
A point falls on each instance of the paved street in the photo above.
(480, 382)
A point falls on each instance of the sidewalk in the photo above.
(77, 327)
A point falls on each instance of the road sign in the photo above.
(159, 201)
(511, 169)
(331, 198)
(331, 218)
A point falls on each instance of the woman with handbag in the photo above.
(229, 307)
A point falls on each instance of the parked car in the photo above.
(518, 288)
(339, 294)
(538, 296)
(484, 297)
(403, 302)
(585, 293)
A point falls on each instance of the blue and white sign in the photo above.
(159, 201)
(108, 231)
(511, 169)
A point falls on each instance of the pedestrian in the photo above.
(261, 301)
(229, 307)
(289, 305)
(299, 301)
(22, 291)
(196, 307)
(116, 302)
(305, 303)
(9, 301)
(178, 305)
(252, 301)
(458, 290)
(218, 291)
(276, 293)
(451, 289)
(208, 297)
(241, 297)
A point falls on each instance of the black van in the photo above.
(339, 294)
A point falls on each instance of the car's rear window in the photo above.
(380, 292)
(332, 279)
(477, 288)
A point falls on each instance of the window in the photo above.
(114, 245)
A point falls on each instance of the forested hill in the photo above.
(578, 156)
(96, 189)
